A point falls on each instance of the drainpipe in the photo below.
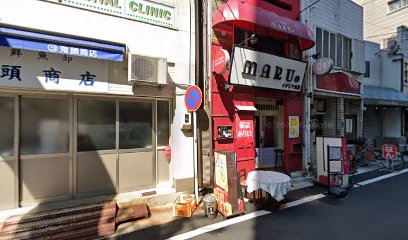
(402, 85)
(199, 73)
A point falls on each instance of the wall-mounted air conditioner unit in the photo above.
(144, 69)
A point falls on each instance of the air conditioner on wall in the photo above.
(144, 69)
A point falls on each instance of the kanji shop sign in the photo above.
(389, 151)
(154, 12)
(252, 68)
(47, 71)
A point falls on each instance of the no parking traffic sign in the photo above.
(193, 98)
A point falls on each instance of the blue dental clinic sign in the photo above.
(193, 98)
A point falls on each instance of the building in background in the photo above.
(333, 102)
(385, 82)
(381, 19)
(91, 96)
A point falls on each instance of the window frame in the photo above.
(339, 49)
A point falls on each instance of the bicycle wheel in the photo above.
(399, 163)
(386, 163)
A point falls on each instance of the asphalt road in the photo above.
(375, 211)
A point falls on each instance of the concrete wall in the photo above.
(337, 16)
(391, 74)
(177, 45)
(372, 54)
(379, 24)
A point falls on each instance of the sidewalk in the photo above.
(162, 224)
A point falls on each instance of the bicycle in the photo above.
(395, 164)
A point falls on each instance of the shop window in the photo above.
(7, 126)
(44, 126)
(351, 128)
(163, 123)
(367, 69)
(406, 72)
(262, 43)
(96, 125)
(135, 125)
(334, 46)
(395, 5)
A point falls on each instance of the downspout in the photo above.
(401, 86)
(307, 101)
(199, 69)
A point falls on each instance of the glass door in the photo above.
(8, 162)
(137, 165)
(44, 149)
(266, 139)
(96, 170)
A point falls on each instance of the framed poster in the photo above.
(294, 126)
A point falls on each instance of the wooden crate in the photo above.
(184, 205)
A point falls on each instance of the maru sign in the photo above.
(258, 69)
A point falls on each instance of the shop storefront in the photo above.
(256, 97)
(67, 133)
(336, 109)
(385, 116)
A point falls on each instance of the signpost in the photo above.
(193, 98)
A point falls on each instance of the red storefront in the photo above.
(256, 98)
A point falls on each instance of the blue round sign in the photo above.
(193, 98)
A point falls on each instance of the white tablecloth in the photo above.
(275, 183)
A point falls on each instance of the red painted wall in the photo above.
(224, 101)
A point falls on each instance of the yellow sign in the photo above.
(293, 126)
(221, 177)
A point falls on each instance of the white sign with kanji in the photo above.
(48, 71)
(389, 151)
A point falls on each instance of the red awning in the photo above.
(242, 11)
(338, 82)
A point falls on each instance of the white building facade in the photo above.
(333, 102)
(74, 125)
(381, 19)
(385, 83)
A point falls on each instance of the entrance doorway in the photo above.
(268, 136)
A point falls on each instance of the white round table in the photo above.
(275, 183)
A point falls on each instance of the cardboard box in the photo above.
(184, 205)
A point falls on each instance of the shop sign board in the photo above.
(47, 71)
(221, 174)
(294, 126)
(322, 66)
(221, 61)
(154, 12)
(259, 69)
(389, 151)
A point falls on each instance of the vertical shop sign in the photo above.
(293, 126)
(245, 129)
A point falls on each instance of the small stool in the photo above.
(278, 153)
